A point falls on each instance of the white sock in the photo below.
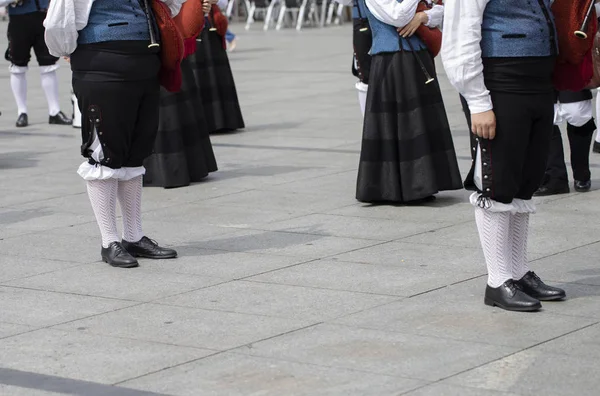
(362, 96)
(103, 197)
(50, 86)
(493, 230)
(18, 83)
(130, 200)
(519, 231)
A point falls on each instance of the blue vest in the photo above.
(28, 7)
(514, 28)
(115, 20)
(386, 38)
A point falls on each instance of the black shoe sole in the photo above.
(582, 190)
(148, 256)
(550, 193)
(60, 123)
(492, 303)
(557, 298)
(131, 265)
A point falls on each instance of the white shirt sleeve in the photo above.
(63, 20)
(461, 51)
(436, 16)
(174, 6)
(393, 12)
(222, 4)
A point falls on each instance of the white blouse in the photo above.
(399, 14)
(461, 51)
(66, 17)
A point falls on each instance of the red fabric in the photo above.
(568, 77)
(569, 16)
(190, 19)
(171, 49)
(219, 22)
(189, 46)
(431, 37)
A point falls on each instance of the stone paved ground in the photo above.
(286, 285)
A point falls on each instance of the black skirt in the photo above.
(182, 153)
(217, 87)
(407, 149)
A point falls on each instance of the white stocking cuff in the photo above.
(17, 69)
(48, 69)
(516, 206)
(100, 172)
(362, 87)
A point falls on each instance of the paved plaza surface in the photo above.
(285, 284)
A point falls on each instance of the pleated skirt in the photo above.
(407, 150)
(217, 86)
(183, 153)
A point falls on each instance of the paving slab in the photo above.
(453, 390)
(90, 357)
(302, 303)
(17, 267)
(237, 375)
(183, 326)
(376, 351)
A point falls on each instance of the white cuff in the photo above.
(17, 69)
(362, 87)
(516, 206)
(49, 69)
(99, 172)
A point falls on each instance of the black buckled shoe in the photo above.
(582, 186)
(511, 298)
(22, 121)
(536, 288)
(148, 248)
(60, 119)
(116, 255)
(548, 189)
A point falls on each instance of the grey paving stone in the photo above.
(395, 279)
(457, 312)
(235, 375)
(17, 267)
(10, 329)
(184, 326)
(90, 357)
(380, 352)
(284, 243)
(578, 265)
(106, 281)
(582, 300)
(353, 227)
(531, 373)
(54, 246)
(431, 258)
(309, 304)
(453, 390)
(39, 308)
(584, 342)
(18, 391)
(222, 264)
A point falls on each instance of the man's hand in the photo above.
(484, 124)
(206, 6)
(419, 19)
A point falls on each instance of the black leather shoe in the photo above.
(582, 186)
(536, 288)
(547, 190)
(511, 298)
(596, 147)
(60, 119)
(148, 248)
(116, 255)
(22, 121)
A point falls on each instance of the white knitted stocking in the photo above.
(493, 230)
(130, 200)
(519, 231)
(103, 197)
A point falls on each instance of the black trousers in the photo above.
(513, 163)
(24, 33)
(580, 140)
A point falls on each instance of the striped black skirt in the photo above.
(183, 153)
(407, 149)
(217, 87)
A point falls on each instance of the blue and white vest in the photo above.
(386, 38)
(515, 28)
(115, 20)
(28, 7)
